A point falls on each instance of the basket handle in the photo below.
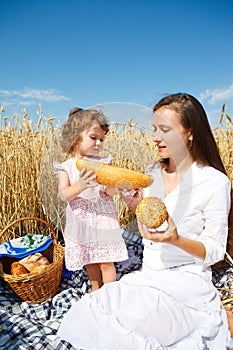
(31, 218)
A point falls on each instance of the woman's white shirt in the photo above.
(199, 207)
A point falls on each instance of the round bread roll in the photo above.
(151, 211)
(110, 175)
(17, 269)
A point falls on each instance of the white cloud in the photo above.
(30, 96)
(217, 95)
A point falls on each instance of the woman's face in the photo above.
(91, 141)
(170, 136)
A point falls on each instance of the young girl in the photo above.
(92, 234)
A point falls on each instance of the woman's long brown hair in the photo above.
(193, 116)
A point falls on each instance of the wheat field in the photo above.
(28, 185)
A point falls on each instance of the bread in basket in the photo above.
(33, 287)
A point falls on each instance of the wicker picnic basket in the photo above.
(33, 288)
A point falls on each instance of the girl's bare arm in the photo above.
(66, 191)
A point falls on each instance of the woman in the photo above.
(171, 303)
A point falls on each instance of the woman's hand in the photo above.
(171, 236)
(168, 235)
(130, 196)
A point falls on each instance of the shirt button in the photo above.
(151, 243)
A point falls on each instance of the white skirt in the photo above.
(149, 310)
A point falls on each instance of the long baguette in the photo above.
(110, 175)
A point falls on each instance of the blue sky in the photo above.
(124, 55)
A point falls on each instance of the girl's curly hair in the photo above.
(78, 121)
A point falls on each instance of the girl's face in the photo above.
(170, 136)
(91, 141)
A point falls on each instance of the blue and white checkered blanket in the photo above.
(26, 326)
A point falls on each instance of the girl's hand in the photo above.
(169, 235)
(86, 179)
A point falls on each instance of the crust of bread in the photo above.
(151, 211)
(110, 175)
(17, 269)
(34, 260)
(39, 269)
